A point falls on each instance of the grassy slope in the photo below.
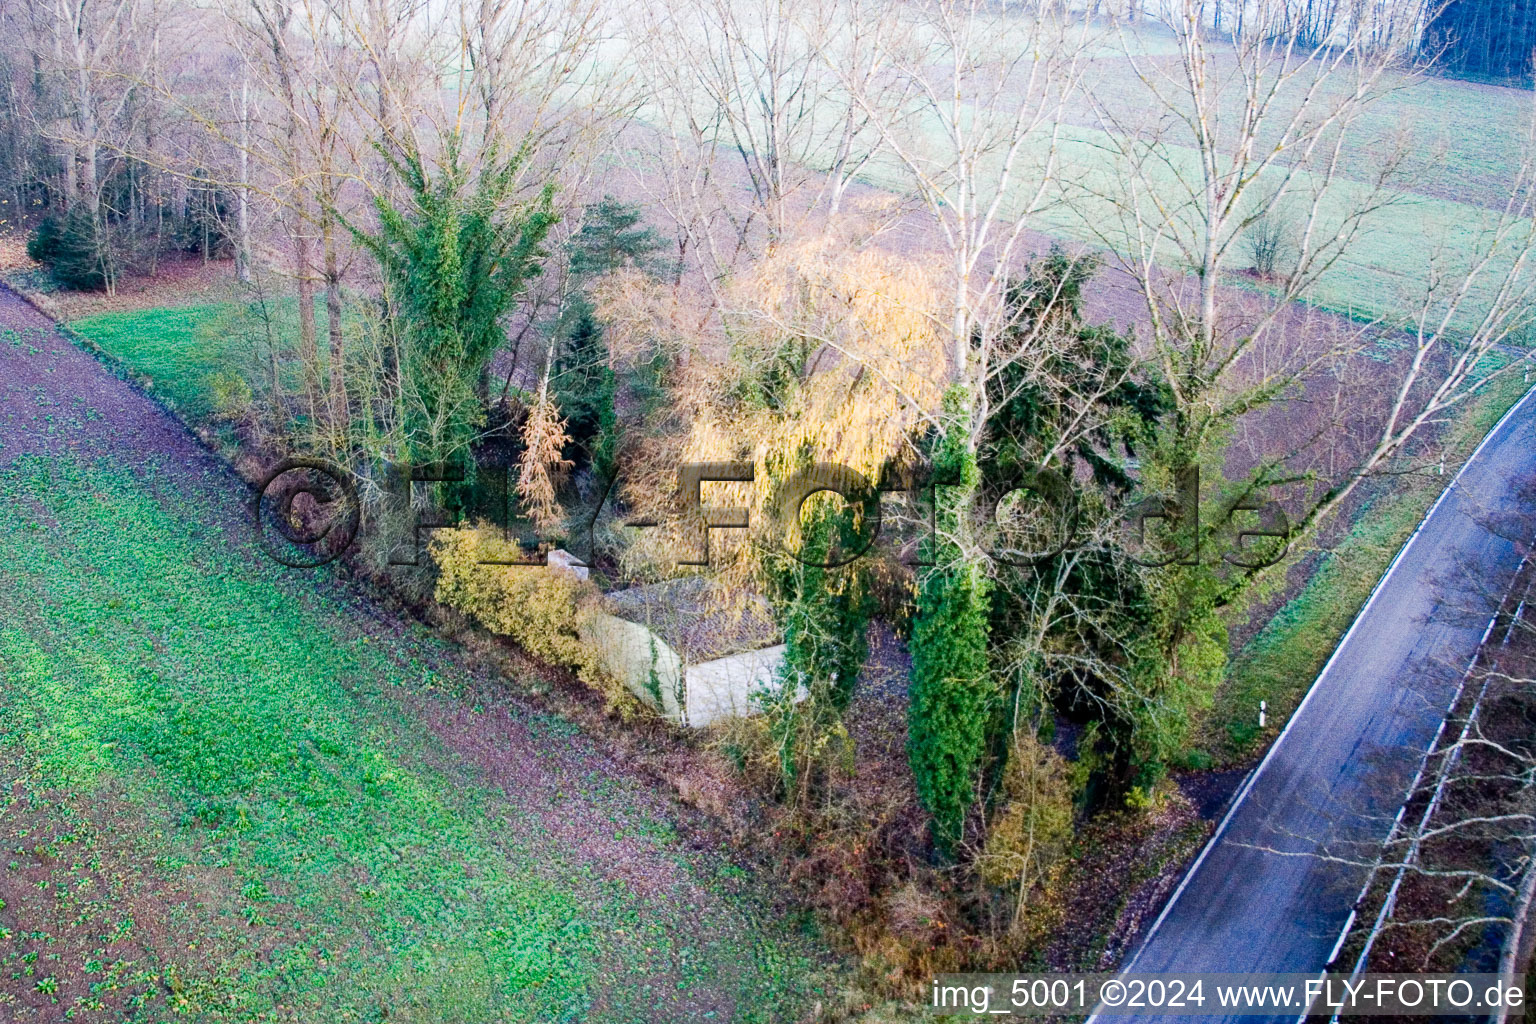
(246, 733)
(178, 351)
(1387, 266)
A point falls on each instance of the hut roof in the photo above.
(698, 618)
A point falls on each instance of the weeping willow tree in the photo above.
(833, 350)
(834, 360)
(456, 253)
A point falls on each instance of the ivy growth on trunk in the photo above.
(455, 254)
(952, 695)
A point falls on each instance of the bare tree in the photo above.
(268, 28)
(1255, 124)
(1458, 866)
(974, 133)
(754, 129)
(1265, 122)
(96, 54)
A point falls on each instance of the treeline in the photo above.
(1491, 39)
(1477, 39)
(94, 157)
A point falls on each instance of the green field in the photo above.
(1462, 146)
(180, 351)
(233, 791)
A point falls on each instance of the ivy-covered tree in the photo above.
(953, 697)
(1084, 402)
(824, 606)
(455, 255)
(1182, 652)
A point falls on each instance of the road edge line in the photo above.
(1375, 591)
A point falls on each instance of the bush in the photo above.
(1268, 240)
(232, 396)
(43, 246)
(1028, 837)
(541, 610)
(73, 250)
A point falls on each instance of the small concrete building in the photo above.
(689, 649)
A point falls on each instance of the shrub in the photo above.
(810, 744)
(232, 396)
(541, 610)
(74, 250)
(1028, 836)
(1268, 240)
(43, 245)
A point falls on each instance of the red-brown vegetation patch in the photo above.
(94, 915)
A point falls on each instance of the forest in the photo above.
(1485, 39)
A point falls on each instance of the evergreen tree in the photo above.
(1093, 603)
(952, 696)
(73, 246)
(611, 238)
(586, 389)
(455, 259)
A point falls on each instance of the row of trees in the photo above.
(1485, 38)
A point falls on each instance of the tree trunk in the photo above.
(309, 350)
(339, 410)
(1509, 961)
(242, 192)
(86, 118)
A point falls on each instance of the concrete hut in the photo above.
(688, 648)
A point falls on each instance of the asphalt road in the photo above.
(1257, 899)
